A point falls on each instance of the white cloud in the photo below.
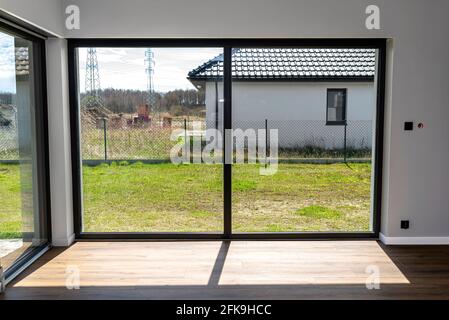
(7, 64)
(124, 68)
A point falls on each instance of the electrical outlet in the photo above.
(405, 224)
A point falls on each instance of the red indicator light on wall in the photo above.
(420, 125)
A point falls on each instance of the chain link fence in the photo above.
(144, 141)
(315, 139)
(9, 146)
(297, 139)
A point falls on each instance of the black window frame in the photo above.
(345, 107)
(227, 44)
(15, 27)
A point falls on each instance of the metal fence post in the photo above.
(266, 142)
(105, 140)
(345, 146)
(186, 144)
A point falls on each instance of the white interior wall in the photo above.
(416, 179)
(44, 14)
(59, 143)
(416, 184)
(48, 16)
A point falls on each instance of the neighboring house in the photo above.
(308, 94)
(23, 98)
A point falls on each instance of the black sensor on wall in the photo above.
(408, 126)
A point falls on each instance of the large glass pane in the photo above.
(21, 225)
(323, 180)
(141, 109)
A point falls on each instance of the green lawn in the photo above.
(188, 198)
(10, 202)
(152, 197)
(302, 197)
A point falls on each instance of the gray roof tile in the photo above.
(295, 63)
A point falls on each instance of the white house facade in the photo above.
(312, 96)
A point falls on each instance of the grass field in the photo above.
(302, 197)
(10, 202)
(188, 198)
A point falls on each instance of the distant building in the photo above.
(143, 115)
(308, 94)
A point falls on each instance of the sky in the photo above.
(7, 64)
(124, 68)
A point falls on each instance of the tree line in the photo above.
(6, 98)
(175, 102)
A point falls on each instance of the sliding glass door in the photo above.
(226, 138)
(23, 184)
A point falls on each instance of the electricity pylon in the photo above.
(92, 84)
(149, 68)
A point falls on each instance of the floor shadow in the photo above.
(217, 270)
(234, 292)
(422, 265)
(43, 260)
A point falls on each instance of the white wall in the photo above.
(298, 111)
(235, 18)
(59, 143)
(418, 179)
(416, 183)
(45, 14)
(48, 16)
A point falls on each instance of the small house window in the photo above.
(336, 107)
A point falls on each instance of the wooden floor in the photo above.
(236, 270)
